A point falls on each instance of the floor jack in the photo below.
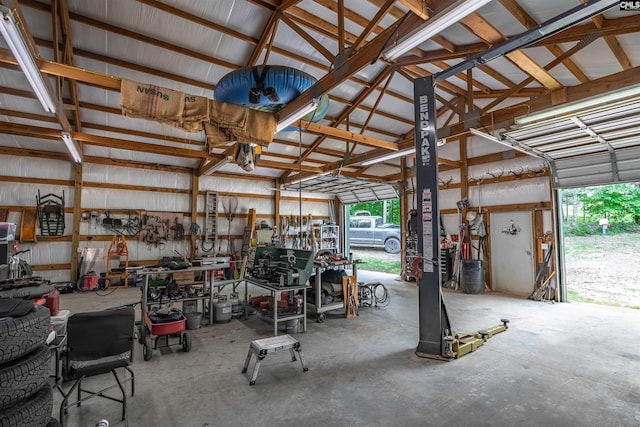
(456, 346)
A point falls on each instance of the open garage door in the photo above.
(348, 190)
(599, 145)
(591, 148)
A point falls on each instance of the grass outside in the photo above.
(604, 269)
(383, 266)
(600, 269)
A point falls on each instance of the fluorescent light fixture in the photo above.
(389, 156)
(19, 47)
(578, 106)
(297, 115)
(72, 146)
(433, 26)
(309, 178)
(514, 146)
(217, 165)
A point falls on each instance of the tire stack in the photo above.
(26, 397)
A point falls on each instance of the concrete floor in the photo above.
(570, 364)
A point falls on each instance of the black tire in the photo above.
(186, 342)
(140, 336)
(392, 245)
(23, 377)
(27, 292)
(22, 335)
(32, 412)
(147, 350)
(53, 423)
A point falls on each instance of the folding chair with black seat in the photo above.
(98, 343)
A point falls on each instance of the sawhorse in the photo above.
(270, 345)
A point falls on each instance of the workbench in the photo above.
(208, 287)
(319, 307)
(275, 291)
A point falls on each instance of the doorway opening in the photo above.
(375, 234)
(601, 228)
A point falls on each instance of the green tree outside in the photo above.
(377, 209)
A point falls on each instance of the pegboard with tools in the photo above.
(160, 227)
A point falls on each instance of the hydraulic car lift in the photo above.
(437, 339)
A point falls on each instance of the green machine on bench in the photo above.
(282, 266)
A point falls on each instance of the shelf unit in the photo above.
(274, 317)
(208, 286)
(330, 238)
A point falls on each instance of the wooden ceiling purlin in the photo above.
(374, 23)
(482, 87)
(613, 43)
(356, 61)
(475, 23)
(504, 117)
(178, 49)
(65, 25)
(143, 134)
(308, 38)
(374, 109)
(610, 27)
(341, 31)
(557, 61)
(355, 103)
(114, 83)
(100, 141)
(344, 135)
(528, 22)
(615, 27)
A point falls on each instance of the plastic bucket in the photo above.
(291, 326)
(194, 320)
(472, 276)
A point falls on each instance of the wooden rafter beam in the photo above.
(101, 141)
(528, 22)
(355, 104)
(308, 38)
(505, 117)
(487, 32)
(382, 11)
(65, 24)
(419, 7)
(444, 66)
(286, 4)
(617, 27)
(359, 59)
(341, 30)
(267, 33)
(560, 59)
(613, 43)
(348, 136)
(376, 104)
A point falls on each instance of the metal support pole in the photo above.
(434, 321)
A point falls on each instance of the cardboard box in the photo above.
(183, 276)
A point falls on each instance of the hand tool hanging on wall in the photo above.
(230, 209)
